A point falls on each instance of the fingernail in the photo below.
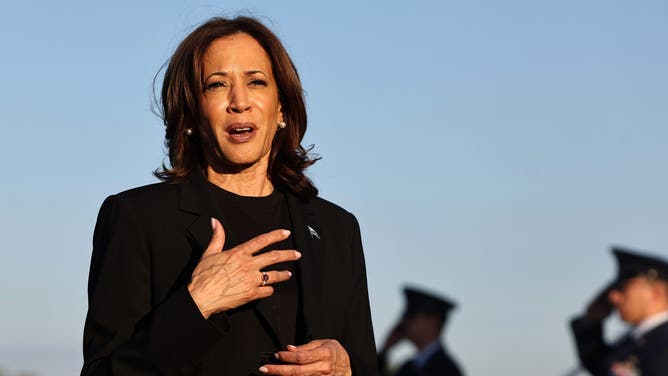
(264, 369)
(213, 223)
(285, 232)
(298, 254)
(277, 356)
(292, 347)
(289, 274)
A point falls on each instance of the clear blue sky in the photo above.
(492, 151)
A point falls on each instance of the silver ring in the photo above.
(265, 278)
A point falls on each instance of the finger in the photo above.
(307, 346)
(264, 292)
(276, 276)
(259, 242)
(217, 239)
(274, 257)
(292, 370)
(305, 356)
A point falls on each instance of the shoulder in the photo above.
(141, 201)
(147, 194)
(150, 192)
(324, 206)
(331, 213)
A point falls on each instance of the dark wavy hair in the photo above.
(179, 108)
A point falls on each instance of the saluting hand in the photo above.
(396, 335)
(323, 357)
(223, 280)
(600, 307)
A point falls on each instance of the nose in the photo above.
(238, 100)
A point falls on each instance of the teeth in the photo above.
(247, 129)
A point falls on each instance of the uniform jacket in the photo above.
(646, 356)
(439, 364)
(142, 320)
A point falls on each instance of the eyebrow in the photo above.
(225, 74)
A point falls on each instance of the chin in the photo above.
(234, 164)
(232, 161)
(629, 319)
(241, 159)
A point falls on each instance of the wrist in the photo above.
(197, 299)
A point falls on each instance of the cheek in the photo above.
(269, 106)
(212, 111)
(271, 133)
(632, 302)
(645, 297)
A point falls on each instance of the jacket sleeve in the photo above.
(358, 333)
(126, 332)
(591, 347)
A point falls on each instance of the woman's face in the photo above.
(239, 104)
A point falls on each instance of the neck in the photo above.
(251, 182)
(422, 343)
(655, 310)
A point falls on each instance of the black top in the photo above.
(244, 218)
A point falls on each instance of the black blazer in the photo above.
(142, 320)
(647, 355)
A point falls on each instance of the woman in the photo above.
(199, 274)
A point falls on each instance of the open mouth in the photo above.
(241, 132)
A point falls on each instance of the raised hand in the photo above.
(600, 307)
(223, 280)
(396, 335)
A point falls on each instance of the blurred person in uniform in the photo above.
(422, 324)
(639, 293)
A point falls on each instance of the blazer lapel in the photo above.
(194, 199)
(307, 237)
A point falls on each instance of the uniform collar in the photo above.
(421, 359)
(648, 324)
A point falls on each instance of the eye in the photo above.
(215, 85)
(258, 82)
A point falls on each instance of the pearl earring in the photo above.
(282, 125)
(188, 131)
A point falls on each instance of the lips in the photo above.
(240, 132)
